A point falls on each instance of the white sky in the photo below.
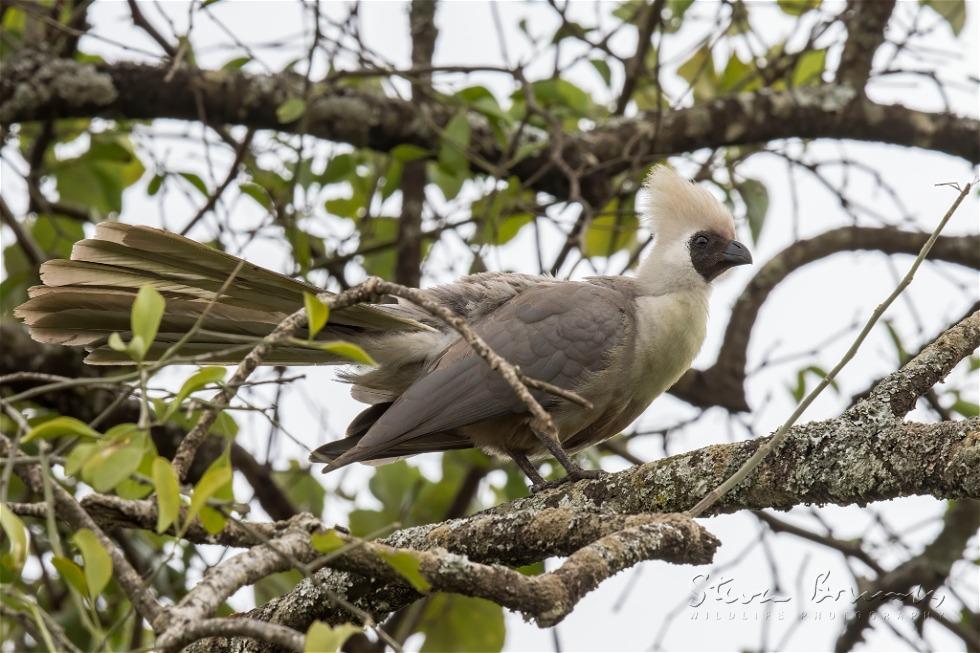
(819, 301)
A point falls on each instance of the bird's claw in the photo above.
(572, 476)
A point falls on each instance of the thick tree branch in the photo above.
(899, 391)
(866, 23)
(841, 462)
(35, 87)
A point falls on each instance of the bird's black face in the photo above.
(712, 254)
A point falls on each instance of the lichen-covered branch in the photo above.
(840, 462)
(899, 391)
(36, 87)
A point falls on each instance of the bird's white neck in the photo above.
(668, 269)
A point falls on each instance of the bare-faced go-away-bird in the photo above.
(616, 341)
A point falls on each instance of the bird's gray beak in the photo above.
(736, 254)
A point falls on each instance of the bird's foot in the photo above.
(573, 475)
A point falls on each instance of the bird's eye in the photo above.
(701, 241)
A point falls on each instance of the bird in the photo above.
(617, 341)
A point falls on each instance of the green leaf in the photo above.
(966, 408)
(196, 182)
(275, 585)
(154, 186)
(327, 541)
(903, 354)
(59, 427)
(954, 11)
(449, 620)
(257, 193)
(167, 488)
(612, 230)
(98, 563)
(116, 343)
(602, 67)
(213, 521)
(557, 92)
(699, 72)
(797, 7)
(118, 455)
(215, 479)
(738, 76)
(71, 573)
(454, 144)
(145, 319)
(407, 565)
(96, 179)
(339, 167)
(346, 207)
(449, 182)
(78, 456)
(570, 28)
(19, 537)
(347, 350)
(196, 381)
(396, 486)
(235, 64)
(756, 199)
(809, 68)
(321, 638)
(480, 99)
(316, 313)
(57, 235)
(302, 488)
(800, 389)
(291, 110)
(407, 152)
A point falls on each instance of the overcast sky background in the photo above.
(628, 611)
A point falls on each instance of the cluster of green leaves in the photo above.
(122, 460)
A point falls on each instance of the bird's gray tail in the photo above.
(84, 300)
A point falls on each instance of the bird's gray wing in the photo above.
(560, 333)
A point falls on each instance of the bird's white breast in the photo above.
(670, 332)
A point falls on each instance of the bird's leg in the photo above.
(537, 481)
(572, 471)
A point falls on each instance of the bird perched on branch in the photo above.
(616, 341)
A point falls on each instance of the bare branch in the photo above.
(866, 23)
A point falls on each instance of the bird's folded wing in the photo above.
(561, 333)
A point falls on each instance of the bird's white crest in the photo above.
(676, 207)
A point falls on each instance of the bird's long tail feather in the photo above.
(85, 299)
